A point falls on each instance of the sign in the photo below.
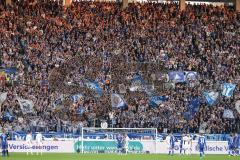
(106, 146)
(48, 146)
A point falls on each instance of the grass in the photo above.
(62, 156)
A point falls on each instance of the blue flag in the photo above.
(8, 117)
(176, 76)
(11, 70)
(193, 105)
(187, 115)
(76, 97)
(193, 108)
(80, 110)
(117, 101)
(211, 97)
(157, 100)
(228, 89)
(95, 87)
(58, 101)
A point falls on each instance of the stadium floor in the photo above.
(60, 156)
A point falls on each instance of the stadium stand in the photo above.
(52, 58)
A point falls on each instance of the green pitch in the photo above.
(60, 156)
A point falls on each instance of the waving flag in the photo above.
(193, 105)
(95, 87)
(122, 88)
(149, 89)
(117, 101)
(211, 97)
(176, 76)
(228, 89)
(58, 102)
(3, 97)
(237, 106)
(228, 113)
(80, 110)
(187, 115)
(11, 70)
(137, 83)
(76, 97)
(157, 100)
(202, 127)
(192, 109)
(26, 105)
(8, 117)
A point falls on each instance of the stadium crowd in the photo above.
(42, 40)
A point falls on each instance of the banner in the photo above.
(117, 101)
(3, 97)
(176, 76)
(237, 106)
(9, 71)
(211, 97)
(190, 75)
(155, 101)
(228, 113)
(26, 105)
(182, 76)
(228, 89)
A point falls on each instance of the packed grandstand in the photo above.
(149, 65)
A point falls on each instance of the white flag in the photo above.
(26, 105)
(202, 127)
(228, 113)
(3, 97)
(117, 101)
(237, 106)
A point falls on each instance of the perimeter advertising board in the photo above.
(110, 146)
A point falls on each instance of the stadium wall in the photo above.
(109, 146)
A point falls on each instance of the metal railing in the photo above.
(99, 134)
